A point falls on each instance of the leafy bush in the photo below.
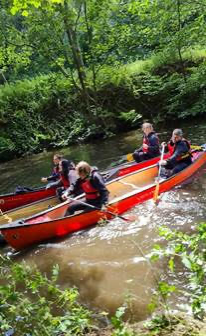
(48, 111)
(31, 301)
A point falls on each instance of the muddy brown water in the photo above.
(107, 262)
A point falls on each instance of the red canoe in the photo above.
(12, 201)
(125, 192)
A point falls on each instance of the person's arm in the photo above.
(153, 146)
(73, 189)
(52, 177)
(99, 184)
(180, 149)
(54, 184)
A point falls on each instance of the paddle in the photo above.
(198, 147)
(96, 208)
(130, 157)
(156, 192)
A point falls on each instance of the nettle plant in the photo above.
(190, 250)
(33, 304)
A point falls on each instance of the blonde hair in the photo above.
(83, 167)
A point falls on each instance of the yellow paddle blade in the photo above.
(130, 157)
(196, 147)
(156, 192)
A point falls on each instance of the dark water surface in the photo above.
(107, 262)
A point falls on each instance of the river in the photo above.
(107, 262)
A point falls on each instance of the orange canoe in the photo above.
(125, 192)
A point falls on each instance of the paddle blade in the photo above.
(132, 218)
(130, 157)
(156, 193)
(196, 147)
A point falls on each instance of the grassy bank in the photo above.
(47, 111)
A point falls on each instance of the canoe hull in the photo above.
(12, 201)
(45, 226)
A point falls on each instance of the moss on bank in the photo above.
(47, 111)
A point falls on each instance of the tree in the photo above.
(57, 27)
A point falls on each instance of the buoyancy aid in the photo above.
(147, 141)
(90, 191)
(172, 147)
(65, 179)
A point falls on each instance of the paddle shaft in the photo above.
(156, 192)
(161, 158)
(96, 208)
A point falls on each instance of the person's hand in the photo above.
(163, 144)
(44, 179)
(65, 195)
(163, 162)
(104, 207)
(145, 146)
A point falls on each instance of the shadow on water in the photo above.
(108, 262)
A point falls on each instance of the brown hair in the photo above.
(58, 156)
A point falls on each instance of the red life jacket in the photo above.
(64, 181)
(90, 191)
(172, 149)
(145, 141)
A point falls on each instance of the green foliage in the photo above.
(190, 250)
(35, 114)
(131, 117)
(48, 111)
(31, 301)
(119, 60)
(158, 323)
(121, 329)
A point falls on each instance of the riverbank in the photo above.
(47, 112)
(179, 325)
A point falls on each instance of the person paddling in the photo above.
(180, 152)
(92, 184)
(150, 146)
(55, 171)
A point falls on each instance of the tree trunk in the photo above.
(77, 56)
(179, 43)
